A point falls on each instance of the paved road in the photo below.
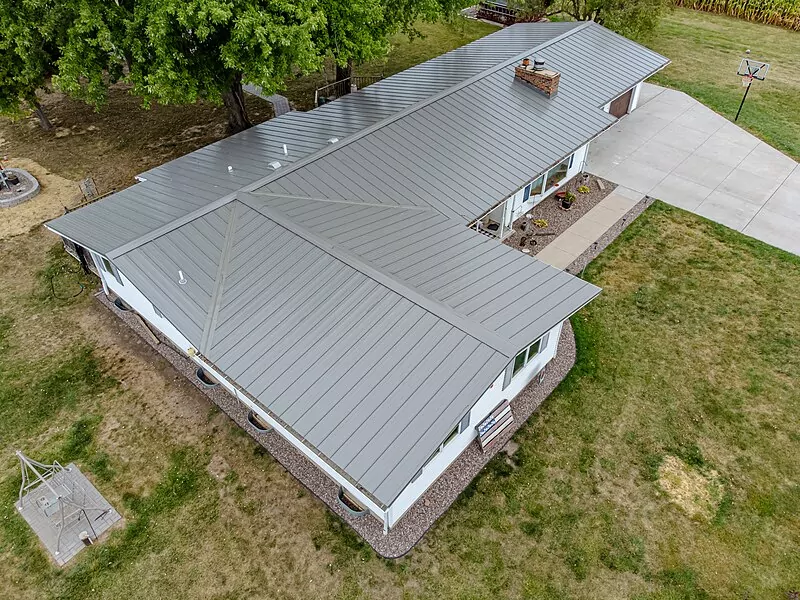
(674, 148)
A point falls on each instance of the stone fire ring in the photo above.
(27, 189)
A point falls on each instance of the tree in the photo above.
(185, 50)
(358, 31)
(92, 48)
(354, 32)
(535, 10)
(26, 59)
(631, 18)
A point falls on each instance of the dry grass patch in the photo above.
(697, 494)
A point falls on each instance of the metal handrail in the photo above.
(337, 89)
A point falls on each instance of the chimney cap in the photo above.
(538, 64)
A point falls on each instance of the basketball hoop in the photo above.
(750, 70)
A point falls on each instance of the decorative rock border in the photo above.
(8, 200)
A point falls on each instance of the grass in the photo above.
(689, 356)
(705, 50)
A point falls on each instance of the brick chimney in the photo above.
(544, 80)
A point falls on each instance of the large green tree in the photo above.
(182, 51)
(632, 18)
(28, 51)
(92, 48)
(357, 31)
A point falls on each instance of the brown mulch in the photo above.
(558, 219)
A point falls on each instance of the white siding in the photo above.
(635, 99)
(134, 298)
(490, 399)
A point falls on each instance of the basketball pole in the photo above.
(741, 104)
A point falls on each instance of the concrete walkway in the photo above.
(577, 238)
(675, 149)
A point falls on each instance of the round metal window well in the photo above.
(351, 506)
(205, 378)
(257, 422)
(121, 305)
(16, 186)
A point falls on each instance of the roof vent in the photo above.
(333, 140)
(275, 164)
(544, 80)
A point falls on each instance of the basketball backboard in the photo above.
(753, 69)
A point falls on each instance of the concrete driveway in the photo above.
(675, 149)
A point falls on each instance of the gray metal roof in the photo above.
(368, 370)
(187, 183)
(343, 290)
(463, 151)
(500, 288)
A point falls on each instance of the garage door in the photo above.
(619, 107)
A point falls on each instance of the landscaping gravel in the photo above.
(558, 219)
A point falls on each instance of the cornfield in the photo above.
(784, 13)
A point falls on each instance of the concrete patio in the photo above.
(675, 149)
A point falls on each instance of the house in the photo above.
(335, 270)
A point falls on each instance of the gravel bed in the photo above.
(609, 236)
(558, 219)
(444, 491)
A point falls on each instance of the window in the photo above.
(449, 438)
(524, 357)
(462, 427)
(558, 173)
(537, 185)
(527, 193)
(109, 268)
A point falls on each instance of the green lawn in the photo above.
(666, 466)
(705, 50)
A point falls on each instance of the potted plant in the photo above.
(567, 200)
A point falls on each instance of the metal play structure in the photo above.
(62, 507)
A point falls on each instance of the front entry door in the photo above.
(619, 107)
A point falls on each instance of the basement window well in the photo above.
(350, 504)
(257, 422)
(205, 378)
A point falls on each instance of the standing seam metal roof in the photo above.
(183, 185)
(344, 292)
(479, 142)
(369, 371)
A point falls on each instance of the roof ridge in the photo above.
(314, 156)
(219, 282)
(421, 299)
(340, 201)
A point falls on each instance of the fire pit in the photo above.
(16, 186)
